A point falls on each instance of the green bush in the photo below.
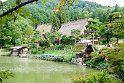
(97, 77)
(97, 62)
(58, 47)
(115, 57)
(44, 43)
(111, 59)
(78, 48)
(117, 68)
(5, 75)
(67, 40)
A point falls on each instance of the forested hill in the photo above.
(43, 13)
(86, 5)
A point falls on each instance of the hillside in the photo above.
(44, 13)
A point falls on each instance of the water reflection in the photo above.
(39, 71)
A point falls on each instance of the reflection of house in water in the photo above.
(21, 51)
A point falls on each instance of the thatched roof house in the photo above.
(79, 24)
(65, 28)
(44, 28)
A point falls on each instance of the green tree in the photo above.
(116, 8)
(75, 32)
(67, 40)
(92, 28)
(102, 14)
(54, 37)
(28, 34)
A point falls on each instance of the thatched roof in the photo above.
(79, 24)
(65, 28)
(44, 28)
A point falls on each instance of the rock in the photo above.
(76, 61)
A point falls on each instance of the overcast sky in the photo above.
(3, 0)
(109, 2)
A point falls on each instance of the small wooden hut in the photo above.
(21, 51)
(89, 49)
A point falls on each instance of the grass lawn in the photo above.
(65, 55)
(59, 52)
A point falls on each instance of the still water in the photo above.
(40, 71)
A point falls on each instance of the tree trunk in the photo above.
(117, 40)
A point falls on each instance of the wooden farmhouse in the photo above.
(78, 25)
(66, 27)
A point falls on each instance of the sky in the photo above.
(3, 0)
(109, 2)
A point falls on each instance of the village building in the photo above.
(78, 25)
(20, 51)
(44, 28)
(66, 28)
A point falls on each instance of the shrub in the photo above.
(78, 48)
(97, 62)
(112, 59)
(97, 77)
(5, 75)
(117, 68)
(44, 43)
(67, 40)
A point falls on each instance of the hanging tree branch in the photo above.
(17, 7)
(31, 1)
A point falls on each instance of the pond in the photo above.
(40, 71)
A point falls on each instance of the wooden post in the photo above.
(93, 37)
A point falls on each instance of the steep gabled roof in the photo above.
(44, 28)
(65, 28)
(79, 24)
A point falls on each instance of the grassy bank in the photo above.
(56, 55)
